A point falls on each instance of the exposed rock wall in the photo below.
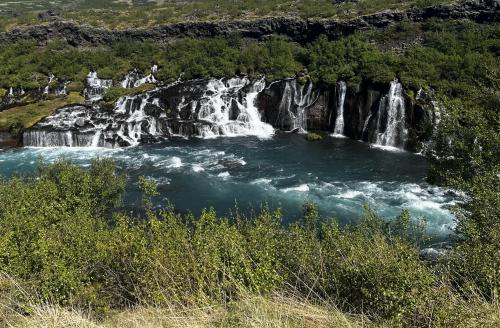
(381, 114)
(297, 29)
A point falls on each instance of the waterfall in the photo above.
(295, 102)
(391, 120)
(96, 87)
(205, 109)
(227, 108)
(134, 79)
(137, 124)
(339, 122)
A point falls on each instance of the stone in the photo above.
(80, 122)
(296, 29)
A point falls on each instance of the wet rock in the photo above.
(80, 122)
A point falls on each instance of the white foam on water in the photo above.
(387, 148)
(197, 168)
(301, 188)
(224, 175)
(176, 162)
(262, 181)
(338, 136)
(350, 194)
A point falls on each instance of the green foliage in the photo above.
(18, 118)
(114, 93)
(63, 237)
(313, 137)
(458, 59)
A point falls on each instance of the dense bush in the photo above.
(64, 238)
(458, 59)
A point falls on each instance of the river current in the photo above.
(340, 175)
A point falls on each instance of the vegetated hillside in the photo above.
(133, 13)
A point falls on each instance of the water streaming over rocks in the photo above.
(135, 79)
(231, 107)
(96, 87)
(295, 102)
(338, 130)
(391, 121)
(203, 109)
(231, 110)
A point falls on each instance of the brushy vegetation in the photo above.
(459, 59)
(313, 136)
(64, 238)
(143, 14)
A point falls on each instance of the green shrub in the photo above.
(63, 237)
(115, 92)
(313, 137)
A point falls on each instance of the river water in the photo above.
(340, 175)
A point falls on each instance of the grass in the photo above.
(255, 311)
(251, 310)
(28, 115)
(144, 14)
(114, 93)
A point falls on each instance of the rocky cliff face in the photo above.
(382, 115)
(297, 29)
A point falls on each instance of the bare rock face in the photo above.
(296, 29)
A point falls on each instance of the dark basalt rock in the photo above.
(296, 29)
(8, 140)
(185, 110)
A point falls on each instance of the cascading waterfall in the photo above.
(134, 79)
(295, 102)
(137, 124)
(226, 114)
(339, 122)
(128, 124)
(96, 87)
(224, 108)
(392, 109)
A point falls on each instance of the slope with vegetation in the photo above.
(118, 14)
(64, 238)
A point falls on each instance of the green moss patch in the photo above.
(28, 115)
(114, 93)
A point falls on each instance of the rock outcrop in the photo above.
(297, 29)
(379, 114)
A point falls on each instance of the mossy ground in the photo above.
(28, 115)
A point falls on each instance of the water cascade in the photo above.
(296, 100)
(215, 108)
(339, 122)
(391, 119)
(229, 108)
(96, 87)
(134, 79)
(134, 120)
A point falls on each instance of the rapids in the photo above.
(340, 175)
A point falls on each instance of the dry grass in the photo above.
(253, 311)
